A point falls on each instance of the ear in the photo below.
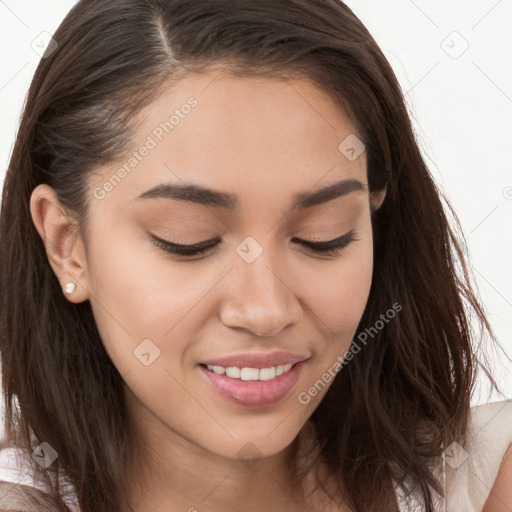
(377, 198)
(63, 244)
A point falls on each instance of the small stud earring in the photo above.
(70, 288)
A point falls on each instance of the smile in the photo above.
(252, 387)
(251, 373)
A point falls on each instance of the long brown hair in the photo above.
(391, 411)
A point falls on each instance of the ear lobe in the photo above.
(63, 244)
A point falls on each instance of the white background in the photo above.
(460, 103)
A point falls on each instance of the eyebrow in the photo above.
(206, 196)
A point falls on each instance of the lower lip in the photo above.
(254, 393)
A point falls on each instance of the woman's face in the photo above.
(260, 297)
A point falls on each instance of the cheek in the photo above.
(128, 300)
(338, 292)
(138, 295)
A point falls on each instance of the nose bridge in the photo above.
(263, 280)
(261, 298)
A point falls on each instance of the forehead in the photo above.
(234, 133)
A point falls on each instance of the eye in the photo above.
(185, 250)
(331, 247)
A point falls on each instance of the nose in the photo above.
(261, 300)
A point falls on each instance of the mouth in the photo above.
(248, 373)
(252, 387)
(256, 360)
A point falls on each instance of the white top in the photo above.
(490, 435)
(16, 468)
(467, 474)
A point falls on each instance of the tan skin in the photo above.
(500, 496)
(264, 141)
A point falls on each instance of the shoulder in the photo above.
(500, 496)
(472, 471)
(21, 489)
(23, 498)
(493, 415)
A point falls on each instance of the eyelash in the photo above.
(329, 247)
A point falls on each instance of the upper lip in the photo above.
(257, 360)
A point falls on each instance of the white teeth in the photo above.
(251, 373)
(233, 372)
(219, 370)
(267, 373)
